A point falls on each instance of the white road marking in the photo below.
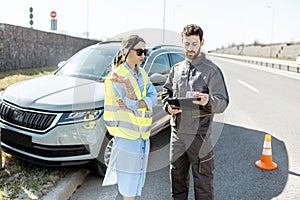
(248, 86)
(267, 69)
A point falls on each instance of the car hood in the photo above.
(56, 93)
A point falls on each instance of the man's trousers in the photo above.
(185, 151)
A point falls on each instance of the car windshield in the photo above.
(91, 63)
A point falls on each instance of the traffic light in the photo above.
(31, 16)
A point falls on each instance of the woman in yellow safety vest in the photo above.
(129, 98)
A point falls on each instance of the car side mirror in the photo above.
(61, 63)
(158, 79)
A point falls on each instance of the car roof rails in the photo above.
(109, 41)
(165, 45)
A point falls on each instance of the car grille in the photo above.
(51, 151)
(36, 121)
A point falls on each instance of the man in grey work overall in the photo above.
(191, 136)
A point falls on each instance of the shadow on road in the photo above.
(236, 176)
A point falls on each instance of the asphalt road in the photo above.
(261, 102)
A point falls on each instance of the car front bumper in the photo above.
(68, 144)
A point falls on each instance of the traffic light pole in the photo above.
(31, 16)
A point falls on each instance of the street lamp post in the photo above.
(272, 28)
(164, 20)
(87, 19)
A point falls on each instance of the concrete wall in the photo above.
(280, 51)
(22, 47)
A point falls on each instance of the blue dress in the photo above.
(128, 165)
(128, 161)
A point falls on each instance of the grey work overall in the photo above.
(191, 142)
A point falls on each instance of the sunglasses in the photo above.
(139, 52)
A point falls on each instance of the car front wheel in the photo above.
(100, 164)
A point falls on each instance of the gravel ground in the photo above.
(20, 179)
(23, 180)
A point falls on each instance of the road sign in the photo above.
(53, 14)
(53, 24)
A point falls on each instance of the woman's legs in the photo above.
(131, 166)
(129, 198)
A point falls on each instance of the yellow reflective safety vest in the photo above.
(125, 123)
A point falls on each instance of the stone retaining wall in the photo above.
(22, 47)
(280, 51)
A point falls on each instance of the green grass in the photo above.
(20, 179)
(23, 180)
(10, 77)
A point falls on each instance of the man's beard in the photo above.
(191, 55)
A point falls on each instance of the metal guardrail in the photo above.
(292, 66)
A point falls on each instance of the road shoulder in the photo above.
(66, 187)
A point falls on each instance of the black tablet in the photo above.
(184, 103)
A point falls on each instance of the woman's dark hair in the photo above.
(192, 29)
(127, 45)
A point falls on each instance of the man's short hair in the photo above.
(192, 29)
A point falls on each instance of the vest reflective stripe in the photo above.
(148, 114)
(122, 125)
(136, 112)
(127, 123)
(146, 128)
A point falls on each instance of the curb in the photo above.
(67, 185)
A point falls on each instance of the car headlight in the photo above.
(80, 116)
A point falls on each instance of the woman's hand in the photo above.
(119, 79)
(121, 104)
(128, 87)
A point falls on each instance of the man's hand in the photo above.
(173, 111)
(204, 98)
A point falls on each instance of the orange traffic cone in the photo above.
(266, 158)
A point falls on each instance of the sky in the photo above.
(224, 22)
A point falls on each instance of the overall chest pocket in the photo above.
(201, 88)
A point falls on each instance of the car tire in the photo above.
(99, 168)
(107, 151)
(98, 165)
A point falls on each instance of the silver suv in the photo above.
(57, 119)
